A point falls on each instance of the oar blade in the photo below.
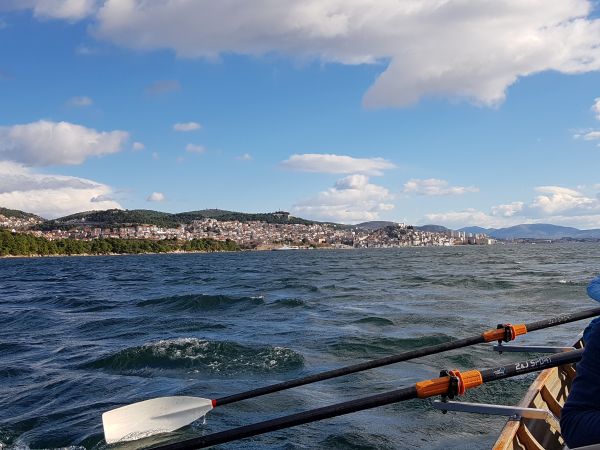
(157, 415)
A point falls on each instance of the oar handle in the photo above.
(423, 389)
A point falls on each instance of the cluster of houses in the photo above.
(17, 223)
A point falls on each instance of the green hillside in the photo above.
(219, 214)
(113, 218)
(18, 214)
(117, 217)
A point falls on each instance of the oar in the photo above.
(171, 413)
(455, 383)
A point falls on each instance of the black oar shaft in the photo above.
(531, 365)
(279, 423)
(487, 375)
(412, 354)
(562, 319)
(406, 356)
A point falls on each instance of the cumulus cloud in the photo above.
(46, 143)
(193, 148)
(187, 126)
(163, 87)
(330, 163)
(507, 210)
(80, 101)
(156, 197)
(555, 204)
(352, 199)
(459, 49)
(138, 146)
(435, 187)
(50, 195)
(559, 200)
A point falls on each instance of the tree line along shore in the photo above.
(19, 244)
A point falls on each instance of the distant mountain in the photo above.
(433, 228)
(16, 214)
(375, 225)
(478, 230)
(543, 231)
(535, 231)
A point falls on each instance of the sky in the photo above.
(452, 112)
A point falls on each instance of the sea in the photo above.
(83, 335)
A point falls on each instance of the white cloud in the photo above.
(50, 195)
(596, 108)
(557, 205)
(156, 197)
(71, 10)
(187, 126)
(80, 101)
(193, 148)
(352, 199)
(589, 136)
(507, 210)
(329, 163)
(435, 187)
(457, 49)
(47, 143)
(244, 157)
(559, 200)
(137, 146)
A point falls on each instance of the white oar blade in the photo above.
(157, 415)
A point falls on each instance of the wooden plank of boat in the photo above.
(549, 391)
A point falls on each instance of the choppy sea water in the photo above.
(82, 335)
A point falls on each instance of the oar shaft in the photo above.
(412, 354)
(423, 389)
(531, 365)
(562, 319)
(279, 423)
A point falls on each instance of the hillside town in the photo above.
(260, 234)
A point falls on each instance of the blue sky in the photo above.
(456, 112)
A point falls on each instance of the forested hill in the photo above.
(219, 214)
(16, 214)
(118, 217)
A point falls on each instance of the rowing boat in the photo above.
(549, 391)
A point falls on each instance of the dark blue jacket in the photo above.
(580, 419)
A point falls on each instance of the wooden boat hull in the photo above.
(549, 391)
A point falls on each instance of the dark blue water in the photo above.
(79, 336)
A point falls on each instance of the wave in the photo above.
(200, 302)
(374, 320)
(289, 303)
(370, 346)
(196, 355)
